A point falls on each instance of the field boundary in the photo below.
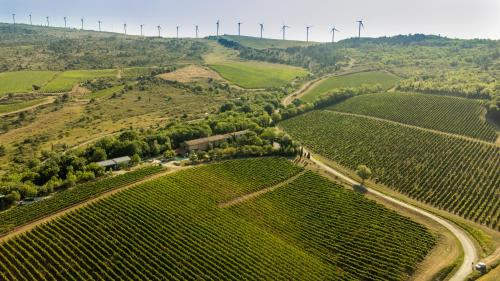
(45, 219)
(258, 193)
(48, 100)
(413, 127)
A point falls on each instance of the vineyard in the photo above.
(317, 215)
(23, 214)
(171, 228)
(451, 173)
(442, 113)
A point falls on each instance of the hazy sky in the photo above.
(452, 18)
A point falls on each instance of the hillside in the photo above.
(266, 43)
(158, 224)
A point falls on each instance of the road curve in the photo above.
(468, 246)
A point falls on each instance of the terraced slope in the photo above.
(171, 228)
(451, 173)
(442, 113)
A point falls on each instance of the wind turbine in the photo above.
(333, 33)
(360, 24)
(14, 18)
(82, 22)
(283, 28)
(125, 28)
(218, 25)
(196, 28)
(64, 22)
(177, 28)
(159, 30)
(307, 32)
(48, 22)
(31, 23)
(99, 25)
(141, 28)
(261, 29)
(239, 28)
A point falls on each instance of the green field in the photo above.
(252, 75)
(442, 113)
(4, 108)
(20, 215)
(451, 173)
(171, 228)
(341, 227)
(65, 81)
(265, 43)
(106, 92)
(386, 80)
(23, 81)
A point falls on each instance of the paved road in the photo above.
(469, 248)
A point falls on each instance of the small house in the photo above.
(205, 143)
(115, 163)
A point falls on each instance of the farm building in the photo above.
(205, 143)
(114, 163)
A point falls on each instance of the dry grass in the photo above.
(191, 73)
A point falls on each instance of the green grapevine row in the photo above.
(171, 229)
(451, 173)
(23, 214)
(448, 114)
(342, 227)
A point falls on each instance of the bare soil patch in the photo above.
(191, 73)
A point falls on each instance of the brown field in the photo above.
(191, 73)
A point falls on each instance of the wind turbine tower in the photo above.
(48, 22)
(64, 22)
(218, 25)
(125, 28)
(333, 33)
(141, 28)
(196, 28)
(82, 22)
(14, 18)
(177, 28)
(360, 25)
(159, 30)
(31, 23)
(307, 32)
(283, 28)
(99, 25)
(261, 29)
(239, 28)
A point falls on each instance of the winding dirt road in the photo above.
(469, 248)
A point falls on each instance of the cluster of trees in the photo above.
(312, 57)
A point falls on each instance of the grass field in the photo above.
(251, 74)
(386, 80)
(442, 113)
(265, 43)
(23, 81)
(65, 81)
(451, 173)
(4, 108)
(171, 228)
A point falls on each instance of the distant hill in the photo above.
(266, 43)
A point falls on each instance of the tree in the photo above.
(364, 173)
(99, 154)
(135, 159)
(13, 196)
(2, 150)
